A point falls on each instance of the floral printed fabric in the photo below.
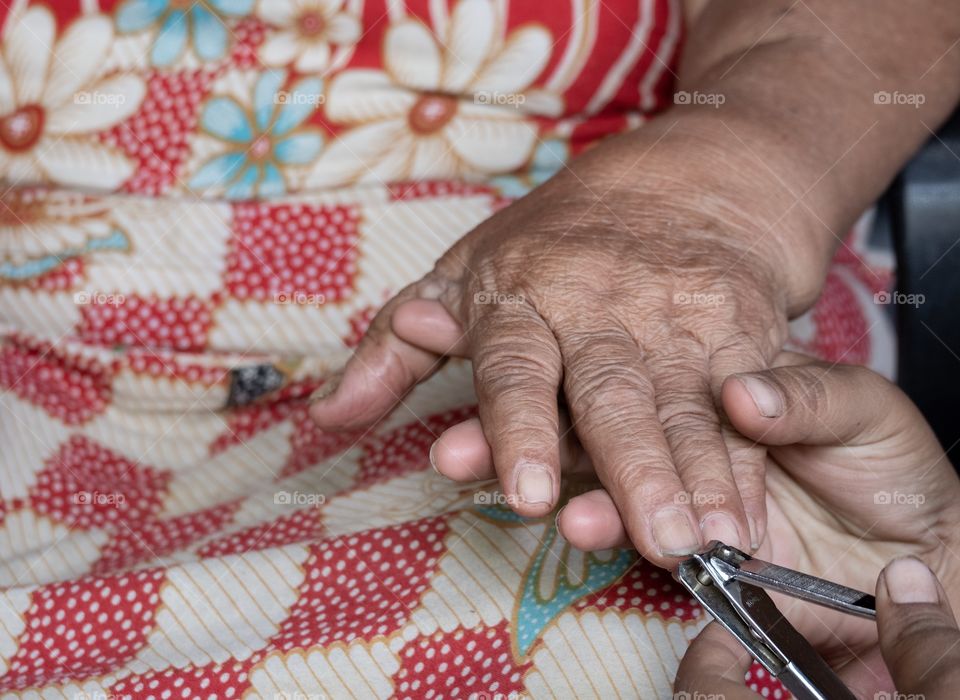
(205, 203)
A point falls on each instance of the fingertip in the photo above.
(461, 453)
(535, 489)
(748, 404)
(723, 527)
(918, 632)
(908, 580)
(591, 522)
(357, 401)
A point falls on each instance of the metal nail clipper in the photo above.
(729, 585)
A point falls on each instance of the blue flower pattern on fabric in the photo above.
(179, 22)
(548, 158)
(553, 571)
(262, 140)
(535, 610)
(18, 272)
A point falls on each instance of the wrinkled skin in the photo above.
(631, 306)
(855, 478)
(843, 442)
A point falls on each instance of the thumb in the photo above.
(714, 666)
(817, 404)
(918, 632)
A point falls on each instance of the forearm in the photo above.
(783, 124)
(799, 80)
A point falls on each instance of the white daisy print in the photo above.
(309, 31)
(459, 106)
(52, 101)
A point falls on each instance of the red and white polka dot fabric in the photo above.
(205, 203)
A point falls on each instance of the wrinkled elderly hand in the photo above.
(855, 477)
(626, 298)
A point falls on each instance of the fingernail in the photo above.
(433, 461)
(327, 388)
(719, 526)
(674, 534)
(556, 522)
(910, 581)
(754, 532)
(534, 484)
(767, 399)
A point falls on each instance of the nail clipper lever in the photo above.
(729, 585)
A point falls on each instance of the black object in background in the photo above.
(922, 211)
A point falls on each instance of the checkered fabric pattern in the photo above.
(205, 204)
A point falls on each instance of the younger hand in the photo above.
(918, 640)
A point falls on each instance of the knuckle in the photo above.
(804, 388)
(689, 419)
(916, 624)
(710, 494)
(646, 488)
(527, 425)
(917, 634)
(499, 367)
(611, 390)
